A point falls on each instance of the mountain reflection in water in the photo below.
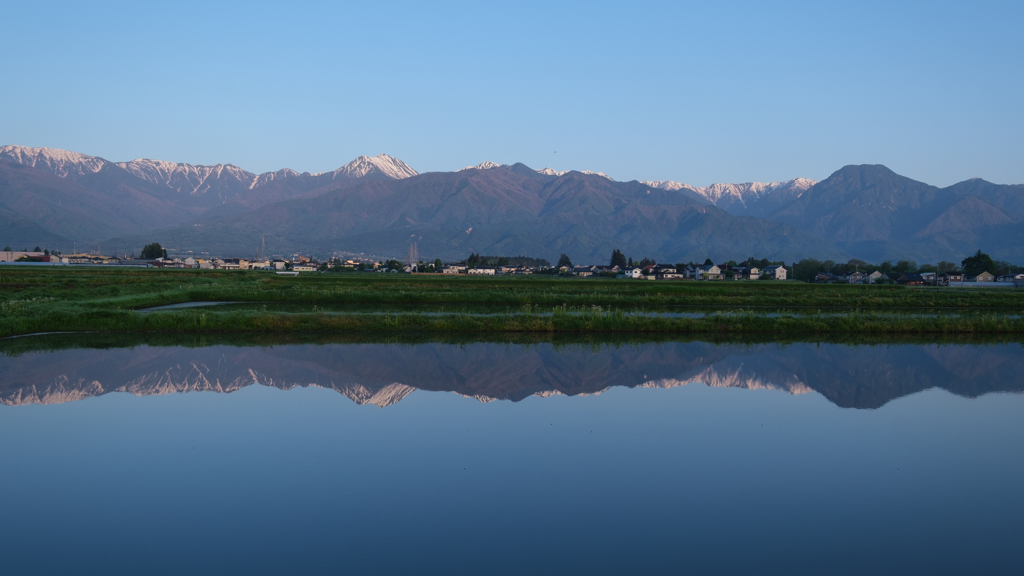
(382, 374)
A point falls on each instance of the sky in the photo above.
(696, 92)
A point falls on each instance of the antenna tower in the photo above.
(413, 257)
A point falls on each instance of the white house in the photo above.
(481, 271)
(633, 272)
(709, 272)
(308, 267)
(775, 272)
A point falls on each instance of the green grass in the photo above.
(103, 299)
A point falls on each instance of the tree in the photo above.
(473, 259)
(708, 262)
(618, 259)
(857, 265)
(7, 248)
(563, 260)
(38, 249)
(945, 266)
(980, 262)
(646, 262)
(438, 264)
(153, 251)
(905, 266)
(806, 269)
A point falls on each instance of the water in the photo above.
(657, 311)
(506, 458)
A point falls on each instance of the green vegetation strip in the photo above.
(82, 299)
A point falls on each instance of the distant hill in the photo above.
(86, 198)
(500, 210)
(879, 215)
(377, 205)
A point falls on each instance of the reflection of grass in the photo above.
(564, 320)
(81, 299)
(593, 341)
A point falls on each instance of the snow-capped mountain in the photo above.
(553, 172)
(747, 199)
(63, 163)
(485, 165)
(367, 166)
(222, 179)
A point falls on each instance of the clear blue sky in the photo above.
(694, 92)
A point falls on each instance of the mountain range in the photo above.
(378, 205)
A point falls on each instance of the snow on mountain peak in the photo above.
(187, 178)
(741, 193)
(382, 164)
(485, 165)
(553, 172)
(63, 163)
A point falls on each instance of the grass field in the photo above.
(106, 299)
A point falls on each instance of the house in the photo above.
(951, 278)
(1010, 277)
(278, 264)
(605, 269)
(582, 271)
(452, 269)
(826, 278)
(983, 277)
(709, 272)
(752, 273)
(481, 271)
(191, 262)
(508, 270)
(665, 272)
(633, 273)
(909, 279)
(304, 267)
(775, 272)
(875, 277)
(929, 277)
(853, 277)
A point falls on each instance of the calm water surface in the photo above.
(489, 458)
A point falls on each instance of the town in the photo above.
(978, 270)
